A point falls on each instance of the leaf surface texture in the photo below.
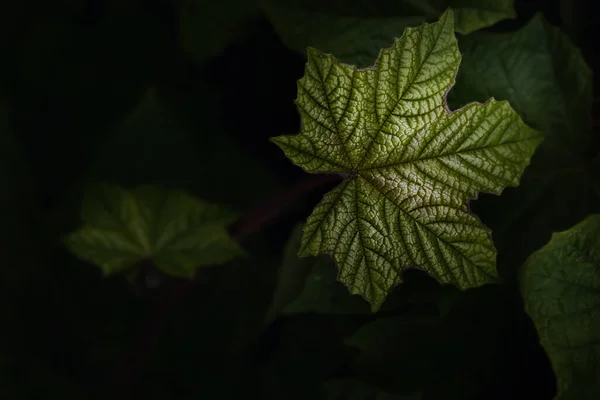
(560, 284)
(174, 231)
(410, 165)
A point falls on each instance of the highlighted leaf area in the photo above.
(410, 164)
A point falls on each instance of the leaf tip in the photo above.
(313, 54)
(376, 305)
(447, 15)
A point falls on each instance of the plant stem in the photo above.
(168, 301)
(272, 208)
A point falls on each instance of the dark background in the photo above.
(71, 73)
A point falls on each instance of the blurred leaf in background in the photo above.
(176, 144)
(560, 284)
(309, 284)
(175, 232)
(208, 27)
(355, 31)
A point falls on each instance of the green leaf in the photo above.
(355, 31)
(207, 27)
(309, 285)
(322, 293)
(560, 284)
(547, 81)
(410, 165)
(472, 15)
(175, 231)
(291, 275)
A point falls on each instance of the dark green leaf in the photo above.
(560, 284)
(208, 27)
(547, 81)
(309, 284)
(291, 275)
(322, 293)
(355, 31)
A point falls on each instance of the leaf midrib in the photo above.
(401, 96)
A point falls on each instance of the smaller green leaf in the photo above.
(309, 284)
(323, 293)
(560, 285)
(175, 231)
(291, 275)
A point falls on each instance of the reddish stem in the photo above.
(251, 222)
(272, 208)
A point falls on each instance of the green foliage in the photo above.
(546, 80)
(172, 230)
(309, 284)
(410, 165)
(560, 284)
(134, 136)
(355, 31)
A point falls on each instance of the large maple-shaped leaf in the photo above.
(174, 231)
(410, 165)
(560, 284)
